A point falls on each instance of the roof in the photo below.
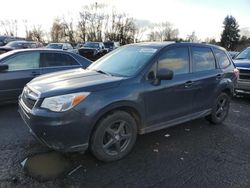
(39, 49)
(166, 43)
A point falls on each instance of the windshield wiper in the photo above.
(102, 72)
(240, 58)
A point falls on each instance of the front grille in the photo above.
(244, 74)
(29, 97)
(30, 103)
(86, 52)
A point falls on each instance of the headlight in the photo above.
(63, 103)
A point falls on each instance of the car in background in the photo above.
(62, 46)
(242, 62)
(110, 45)
(13, 45)
(79, 45)
(136, 89)
(5, 39)
(233, 54)
(92, 50)
(20, 66)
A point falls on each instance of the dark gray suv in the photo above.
(135, 89)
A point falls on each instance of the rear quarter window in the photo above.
(222, 58)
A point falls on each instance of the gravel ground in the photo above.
(193, 154)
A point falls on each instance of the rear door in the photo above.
(53, 61)
(23, 67)
(207, 76)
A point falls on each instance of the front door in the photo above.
(23, 67)
(170, 99)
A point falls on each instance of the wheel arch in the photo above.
(126, 106)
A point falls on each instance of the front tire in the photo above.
(114, 136)
(220, 109)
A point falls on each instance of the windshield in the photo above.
(125, 61)
(245, 54)
(54, 46)
(108, 44)
(91, 45)
(6, 54)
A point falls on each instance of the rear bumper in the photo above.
(67, 132)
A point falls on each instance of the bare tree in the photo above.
(63, 30)
(163, 32)
(91, 23)
(121, 28)
(68, 30)
(57, 31)
(9, 27)
(36, 34)
(192, 37)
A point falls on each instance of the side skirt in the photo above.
(173, 122)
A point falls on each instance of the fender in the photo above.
(139, 108)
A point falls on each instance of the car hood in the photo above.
(71, 81)
(244, 63)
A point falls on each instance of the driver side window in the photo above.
(176, 59)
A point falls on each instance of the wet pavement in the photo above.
(193, 154)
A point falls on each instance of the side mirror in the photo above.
(164, 74)
(65, 48)
(4, 67)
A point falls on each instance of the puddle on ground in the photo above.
(46, 166)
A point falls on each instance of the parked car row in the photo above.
(13, 45)
(6, 39)
(134, 90)
(90, 50)
(95, 50)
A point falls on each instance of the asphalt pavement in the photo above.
(193, 154)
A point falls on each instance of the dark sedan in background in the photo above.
(19, 45)
(18, 67)
(92, 50)
(242, 62)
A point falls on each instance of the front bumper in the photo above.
(67, 132)
(243, 86)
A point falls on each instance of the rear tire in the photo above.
(114, 136)
(220, 109)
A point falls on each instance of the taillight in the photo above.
(236, 73)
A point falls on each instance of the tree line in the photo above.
(98, 23)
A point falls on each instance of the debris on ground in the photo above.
(156, 150)
(186, 129)
(167, 135)
(24, 162)
(74, 170)
(182, 158)
(236, 111)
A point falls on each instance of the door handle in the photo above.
(218, 76)
(35, 74)
(189, 84)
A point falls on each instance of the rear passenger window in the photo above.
(56, 59)
(222, 58)
(176, 59)
(203, 59)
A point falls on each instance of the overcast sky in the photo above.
(204, 17)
